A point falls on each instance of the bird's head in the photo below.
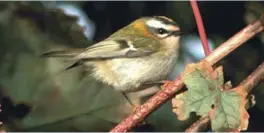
(157, 27)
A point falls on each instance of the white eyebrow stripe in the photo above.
(156, 24)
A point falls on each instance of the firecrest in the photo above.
(142, 52)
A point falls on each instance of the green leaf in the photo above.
(207, 96)
(229, 112)
(201, 97)
(226, 114)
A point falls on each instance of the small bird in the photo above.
(140, 53)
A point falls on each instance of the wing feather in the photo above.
(116, 49)
(110, 48)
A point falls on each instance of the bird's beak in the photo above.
(179, 33)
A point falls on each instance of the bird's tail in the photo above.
(63, 53)
(66, 53)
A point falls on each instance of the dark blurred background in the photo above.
(37, 95)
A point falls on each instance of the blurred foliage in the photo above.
(56, 100)
(50, 93)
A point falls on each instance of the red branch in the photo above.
(170, 88)
(199, 23)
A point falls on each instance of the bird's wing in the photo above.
(114, 48)
(111, 48)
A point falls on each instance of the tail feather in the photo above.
(67, 53)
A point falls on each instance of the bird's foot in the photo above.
(134, 109)
(168, 83)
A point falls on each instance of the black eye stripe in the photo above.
(162, 31)
(157, 30)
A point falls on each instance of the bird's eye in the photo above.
(162, 31)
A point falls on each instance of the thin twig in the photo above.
(199, 126)
(199, 23)
(170, 88)
(253, 79)
(235, 41)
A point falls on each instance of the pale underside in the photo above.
(128, 74)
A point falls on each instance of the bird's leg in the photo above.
(134, 107)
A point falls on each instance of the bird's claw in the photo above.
(134, 109)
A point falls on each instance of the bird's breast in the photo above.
(129, 73)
